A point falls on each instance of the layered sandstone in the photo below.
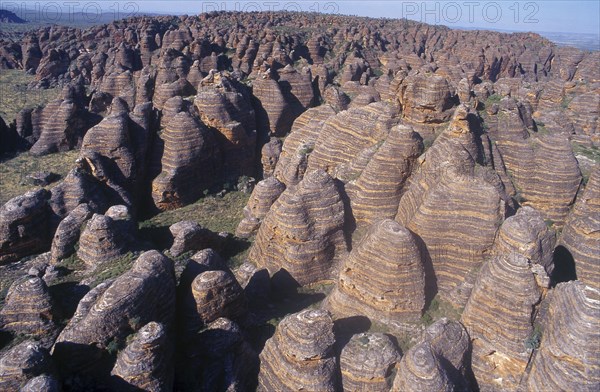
(300, 355)
(302, 234)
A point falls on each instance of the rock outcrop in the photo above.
(376, 193)
(302, 234)
(297, 147)
(581, 234)
(189, 236)
(226, 107)
(269, 156)
(189, 163)
(568, 358)
(426, 99)
(382, 278)
(105, 238)
(24, 225)
(556, 168)
(451, 342)
(421, 370)
(68, 231)
(273, 113)
(22, 363)
(300, 354)
(368, 362)
(265, 193)
(112, 310)
(214, 294)
(146, 362)
(498, 317)
(28, 309)
(527, 234)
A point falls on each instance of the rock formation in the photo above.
(225, 106)
(300, 355)
(368, 362)
(498, 317)
(376, 193)
(214, 294)
(426, 99)
(382, 278)
(303, 232)
(421, 369)
(344, 136)
(527, 234)
(112, 310)
(28, 309)
(297, 147)
(555, 168)
(567, 358)
(450, 341)
(581, 234)
(189, 236)
(273, 114)
(22, 363)
(105, 237)
(24, 225)
(189, 163)
(67, 233)
(265, 193)
(269, 156)
(146, 362)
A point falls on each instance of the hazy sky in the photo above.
(540, 16)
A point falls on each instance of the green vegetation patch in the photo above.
(439, 309)
(15, 96)
(212, 212)
(14, 171)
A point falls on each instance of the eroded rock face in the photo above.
(67, 233)
(214, 294)
(146, 362)
(28, 309)
(426, 99)
(189, 236)
(273, 113)
(451, 342)
(112, 310)
(498, 317)
(297, 147)
(367, 362)
(527, 234)
(567, 358)
(581, 234)
(189, 163)
(62, 127)
(270, 156)
(219, 358)
(556, 168)
(105, 237)
(265, 193)
(21, 363)
(455, 231)
(225, 106)
(421, 369)
(300, 354)
(376, 193)
(303, 232)
(382, 278)
(24, 225)
(350, 134)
